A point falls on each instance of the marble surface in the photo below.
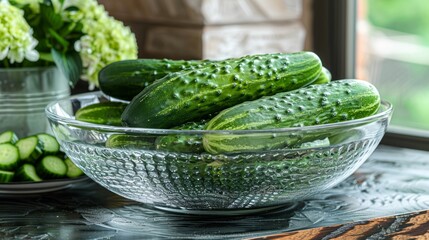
(393, 181)
(218, 42)
(195, 12)
(214, 29)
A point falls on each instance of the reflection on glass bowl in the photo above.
(199, 182)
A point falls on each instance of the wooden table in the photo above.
(387, 198)
(404, 226)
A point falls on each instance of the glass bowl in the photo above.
(189, 180)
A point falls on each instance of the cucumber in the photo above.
(72, 170)
(183, 143)
(30, 148)
(49, 143)
(324, 77)
(27, 172)
(8, 137)
(6, 176)
(51, 167)
(9, 157)
(130, 141)
(190, 95)
(18, 161)
(312, 105)
(125, 79)
(106, 113)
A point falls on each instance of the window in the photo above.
(387, 43)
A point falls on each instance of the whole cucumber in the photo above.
(324, 77)
(183, 143)
(107, 113)
(125, 79)
(312, 105)
(130, 141)
(191, 95)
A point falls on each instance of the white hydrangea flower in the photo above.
(17, 41)
(34, 4)
(88, 9)
(106, 40)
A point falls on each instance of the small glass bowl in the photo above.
(194, 181)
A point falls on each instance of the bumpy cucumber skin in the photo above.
(183, 143)
(106, 113)
(125, 79)
(191, 95)
(312, 105)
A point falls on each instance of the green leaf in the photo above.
(70, 65)
(59, 39)
(49, 15)
(67, 29)
(46, 56)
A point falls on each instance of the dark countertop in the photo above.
(387, 196)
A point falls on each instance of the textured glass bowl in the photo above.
(200, 182)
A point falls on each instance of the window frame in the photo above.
(334, 34)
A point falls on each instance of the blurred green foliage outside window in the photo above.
(397, 57)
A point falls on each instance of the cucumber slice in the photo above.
(27, 172)
(51, 167)
(6, 176)
(50, 144)
(72, 170)
(9, 156)
(8, 137)
(30, 149)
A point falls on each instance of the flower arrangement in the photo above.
(78, 36)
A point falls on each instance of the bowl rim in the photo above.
(385, 111)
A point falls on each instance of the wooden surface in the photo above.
(401, 227)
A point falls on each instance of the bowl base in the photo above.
(229, 212)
